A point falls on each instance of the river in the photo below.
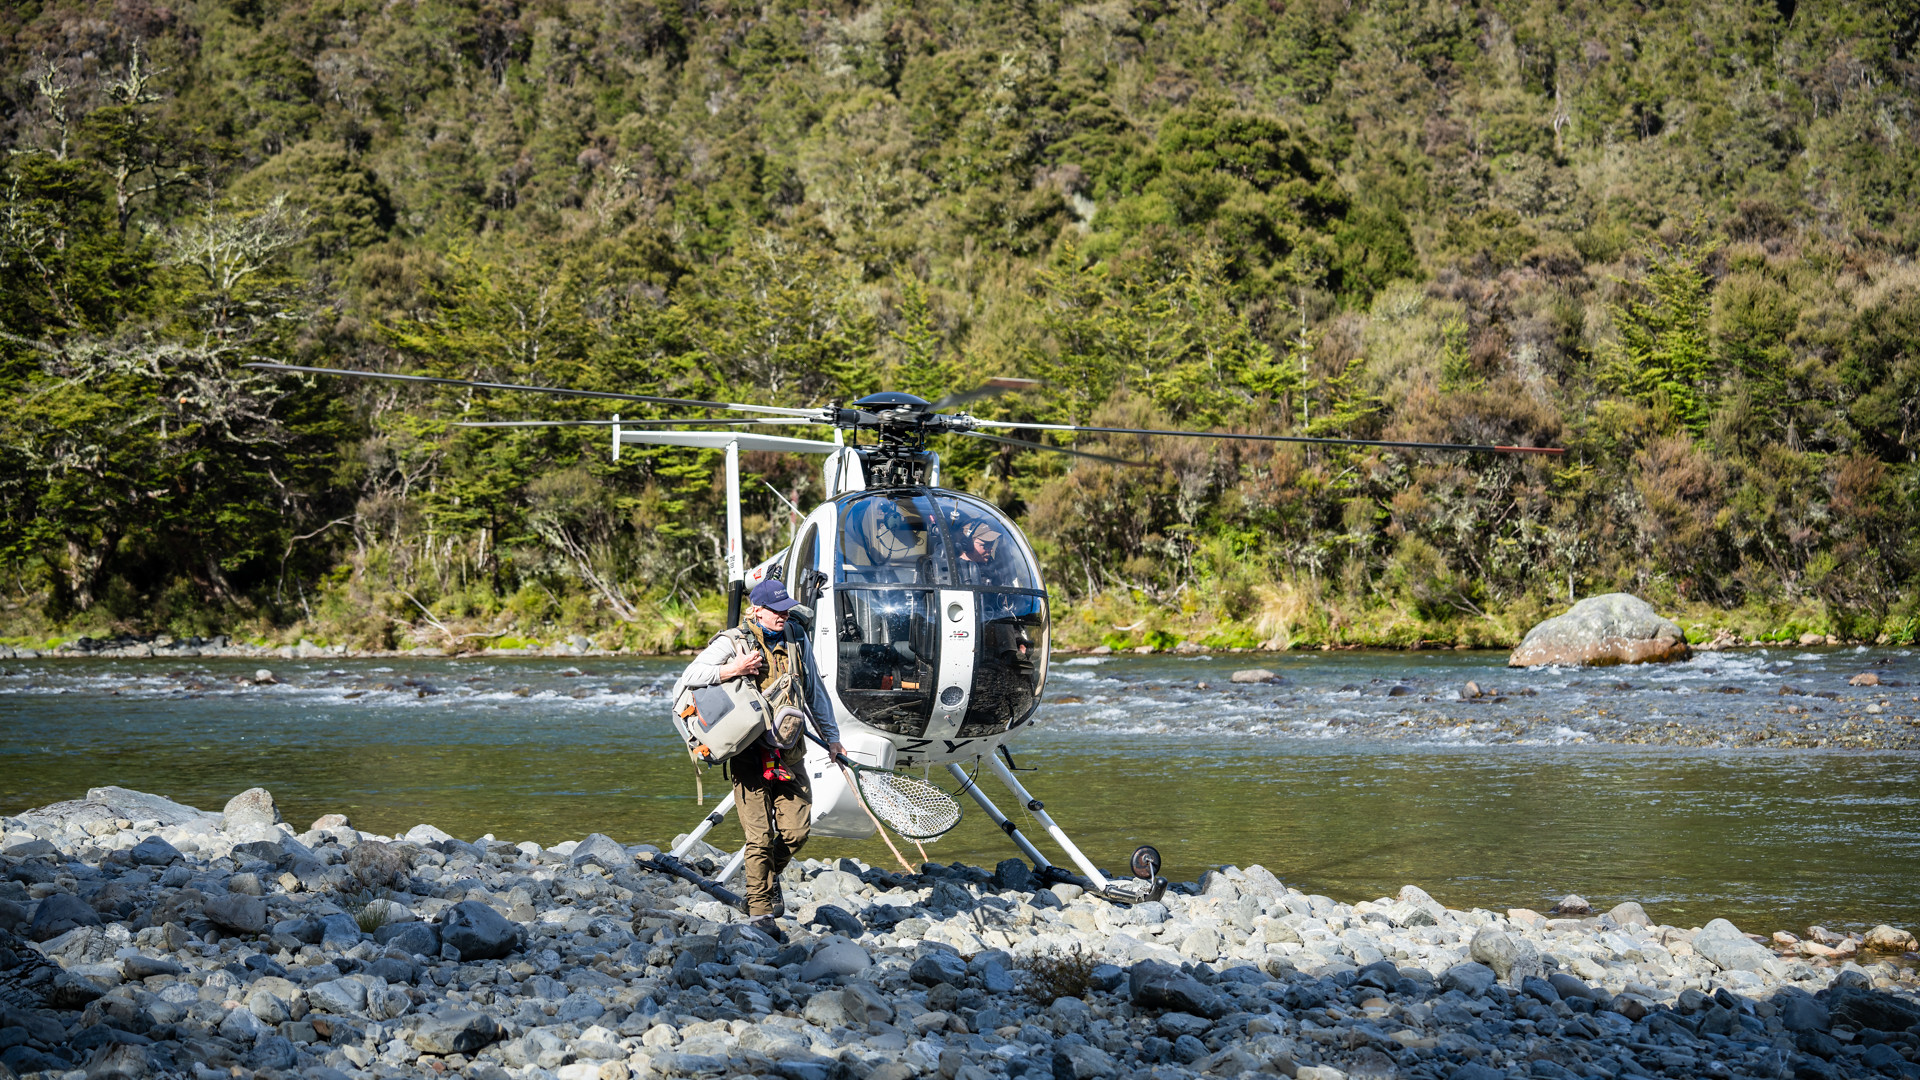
(1691, 788)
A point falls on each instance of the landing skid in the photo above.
(674, 866)
(1145, 886)
(701, 830)
(1149, 885)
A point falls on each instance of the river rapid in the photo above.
(1754, 784)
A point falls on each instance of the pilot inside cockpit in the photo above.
(976, 546)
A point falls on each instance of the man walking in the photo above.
(770, 788)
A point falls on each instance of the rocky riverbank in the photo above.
(141, 937)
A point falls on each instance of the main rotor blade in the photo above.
(622, 423)
(561, 391)
(1389, 444)
(984, 390)
(1025, 445)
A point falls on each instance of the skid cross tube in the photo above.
(1040, 862)
(701, 830)
(1120, 892)
(1059, 835)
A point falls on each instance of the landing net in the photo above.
(909, 805)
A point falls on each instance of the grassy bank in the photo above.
(1277, 616)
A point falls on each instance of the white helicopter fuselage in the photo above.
(933, 650)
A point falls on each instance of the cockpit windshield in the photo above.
(944, 539)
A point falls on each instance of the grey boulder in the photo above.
(58, 913)
(1511, 958)
(455, 1033)
(845, 1007)
(603, 851)
(417, 938)
(938, 966)
(108, 803)
(1616, 628)
(1471, 979)
(1569, 986)
(1012, 874)
(141, 966)
(1871, 1009)
(153, 851)
(306, 929)
(35, 848)
(1730, 950)
(342, 997)
(836, 958)
(477, 931)
(1630, 913)
(1155, 985)
(1078, 1062)
(339, 930)
(251, 808)
(1801, 1011)
(237, 912)
(836, 919)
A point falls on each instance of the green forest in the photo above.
(1677, 239)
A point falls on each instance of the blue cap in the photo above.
(772, 595)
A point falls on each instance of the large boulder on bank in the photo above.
(1617, 628)
(109, 803)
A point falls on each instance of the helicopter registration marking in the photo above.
(913, 748)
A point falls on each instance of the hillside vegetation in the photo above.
(1676, 238)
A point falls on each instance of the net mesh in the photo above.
(909, 805)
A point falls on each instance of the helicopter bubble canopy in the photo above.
(936, 625)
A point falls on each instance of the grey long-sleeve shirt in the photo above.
(721, 651)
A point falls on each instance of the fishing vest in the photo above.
(780, 683)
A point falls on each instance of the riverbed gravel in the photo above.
(140, 937)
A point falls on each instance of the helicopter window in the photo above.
(885, 540)
(888, 656)
(1010, 665)
(803, 559)
(984, 549)
(806, 583)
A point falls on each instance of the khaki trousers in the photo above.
(776, 816)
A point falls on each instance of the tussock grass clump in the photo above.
(1053, 975)
(367, 914)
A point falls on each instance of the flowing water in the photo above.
(1691, 788)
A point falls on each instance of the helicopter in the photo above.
(927, 612)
